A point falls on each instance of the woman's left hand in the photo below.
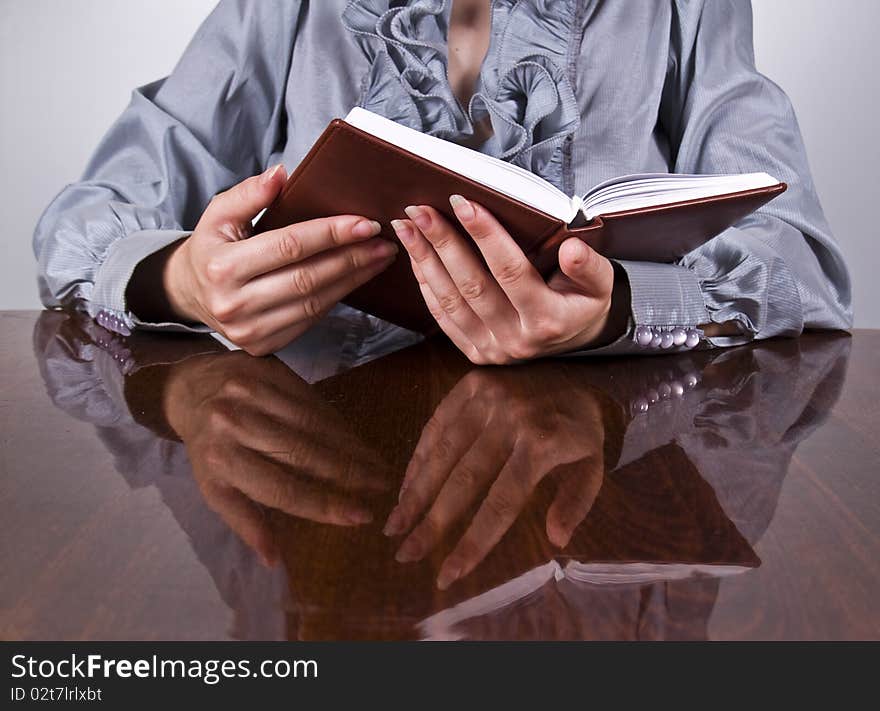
(507, 313)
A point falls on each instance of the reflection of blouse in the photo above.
(739, 431)
(577, 91)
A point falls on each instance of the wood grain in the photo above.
(164, 488)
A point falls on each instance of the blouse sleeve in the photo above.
(217, 119)
(779, 270)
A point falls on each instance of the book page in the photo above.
(642, 573)
(440, 626)
(633, 192)
(506, 178)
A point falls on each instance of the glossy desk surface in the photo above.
(164, 488)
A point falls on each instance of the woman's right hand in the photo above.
(262, 292)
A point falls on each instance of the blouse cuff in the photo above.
(666, 308)
(108, 305)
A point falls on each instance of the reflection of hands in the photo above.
(257, 436)
(493, 432)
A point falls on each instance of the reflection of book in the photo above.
(368, 165)
(655, 517)
(442, 625)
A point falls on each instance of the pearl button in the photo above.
(692, 338)
(644, 336)
(666, 340)
(677, 388)
(679, 336)
(655, 342)
(640, 405)
(664, 390)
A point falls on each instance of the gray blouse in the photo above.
(578, 91)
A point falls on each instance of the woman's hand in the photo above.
(491, 441)
(507, 313)
(261, 292)
(259, 437)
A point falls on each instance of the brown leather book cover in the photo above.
(349, 171)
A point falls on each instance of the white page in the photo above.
(644, 573)
(441, 625)
(497, 174)
(632, 192)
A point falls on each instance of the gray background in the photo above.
(67, 69)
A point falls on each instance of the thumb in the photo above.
(243, 202)
(589, 270)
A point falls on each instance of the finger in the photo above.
(306, 446)
(451, 410)
(575, 497)
(514, 273)
(242, 202)
(256, 332)
(453, 332)
(470, 276)
(446, 325)
(469, 478)
(300, 280)
(272, 485)
(445, 438)
(450, 301)
(506, 498)
(268, 251)
(590, 271)
(244, 517)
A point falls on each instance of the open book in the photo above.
(442, 625)
(628, 192)
(371, 166)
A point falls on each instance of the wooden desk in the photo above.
(723, 495)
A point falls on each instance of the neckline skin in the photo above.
(467, 45)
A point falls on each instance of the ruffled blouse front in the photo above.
(576, 91)
(525, 89)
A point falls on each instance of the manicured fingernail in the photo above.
(580, 251)
(366, 228)
(558, 537)
(394, 524)
(448, 575)
(270, 173)
(410, 550)
(463, 209)
(419, 216)
(358, 516)
(403, 231)
(383, 249)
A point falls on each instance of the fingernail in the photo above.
(394, 523)
(448, 575)
(358, 516)
(419, 216)
(558, 538)
(580, 251)
(383, 249)
(410, 550)
(270, 173)
(403, 231)
(462, 208)
(366, 228)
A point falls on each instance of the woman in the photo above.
(577, 91)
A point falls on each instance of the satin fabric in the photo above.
(578, 91)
